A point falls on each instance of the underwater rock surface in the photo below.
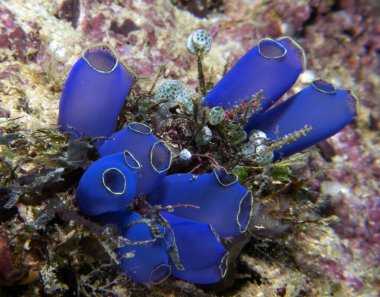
(41, 40)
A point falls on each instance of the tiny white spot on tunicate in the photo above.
(308, 76)
(185, 155)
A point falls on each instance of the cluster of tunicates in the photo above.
(180, 227)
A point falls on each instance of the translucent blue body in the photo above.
(273, 65)
(203, 208)
(200, 252)
(108, 185)
(143, 257)
(93, 94)
(153, 156)
(217, 199)
(320, 106)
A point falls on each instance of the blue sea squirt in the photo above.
(94, 93)
(177, 224)
(274, 66)
(180, 237)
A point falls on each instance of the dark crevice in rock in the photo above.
(200, 8)
(66, 274)
(23, 105)
(336, 6)
(70, 11)
(327, 150)
(310, 21)
(242, 276)
(6, 214)
(125, 28)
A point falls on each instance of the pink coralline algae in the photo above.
(337, 270)
(351, 33)
(70, 11)
(361, 225)
(22, 45)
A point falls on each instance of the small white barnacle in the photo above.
(255, 146)
(185, 155)
(257, 137)
(204, 136)
(248, 149)
(263, 159)
(199, 40)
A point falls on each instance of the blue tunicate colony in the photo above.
(183, 236)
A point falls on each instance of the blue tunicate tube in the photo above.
(201, 254)
(108, 185)
(320, 106)
(94, 93)
(215, 198)
(143, 257)
(152, 155)
(272, 65)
